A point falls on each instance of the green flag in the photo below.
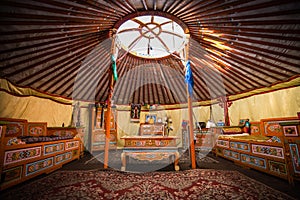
(114, 67)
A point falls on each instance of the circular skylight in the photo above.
(151, 36)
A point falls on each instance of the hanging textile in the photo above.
(114, 67)
(189, 77)
(115, 46)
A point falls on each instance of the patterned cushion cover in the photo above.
(232, 130)
(30, 140)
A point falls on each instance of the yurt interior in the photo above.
(150, 99)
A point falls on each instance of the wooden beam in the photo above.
(107, 125)
(190, 110)
(108, 112)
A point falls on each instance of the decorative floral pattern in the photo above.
(53, 148)
(36, 130)
(149, 155)
(223, 143)
(14, 129)
(63, 157)
(268, 150)
(277, 167)
(253, 160)
(21, 154)
(32, 168)
(232, 154)
(72, 145)
(189, 184)
(242, 146)
(12, 174)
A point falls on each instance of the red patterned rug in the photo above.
(109, 184)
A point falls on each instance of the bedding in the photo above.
(268, 148)
(29, 149)
(247, 137)
(232, 130)
(30, 140)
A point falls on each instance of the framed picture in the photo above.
(290, 130)
(135, 113)
(150, 118)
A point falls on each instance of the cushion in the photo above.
(231, 130)
(30, 139)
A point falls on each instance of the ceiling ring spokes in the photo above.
(151, 36)
(152, 28)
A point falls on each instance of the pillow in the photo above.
(231, 130)
(242, 122)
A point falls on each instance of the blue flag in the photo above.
(114, 67)
(189, 77)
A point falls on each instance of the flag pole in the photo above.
(190, 108)
(108, 112)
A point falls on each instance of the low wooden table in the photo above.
(150, 155)
(150, 148)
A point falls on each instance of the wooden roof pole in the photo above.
(190, 109)
(108, 112)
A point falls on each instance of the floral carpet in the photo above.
(115, 157)
(110, 184)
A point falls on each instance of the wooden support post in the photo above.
(107, 125)
(190, 108)
(191, 133)
(108, 113)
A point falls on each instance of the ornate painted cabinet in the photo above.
(291, 132)
(29, 149)
(272, 147)
(97, 128)
(151, 144)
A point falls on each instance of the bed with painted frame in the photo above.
(28, 149)
(268, 148)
